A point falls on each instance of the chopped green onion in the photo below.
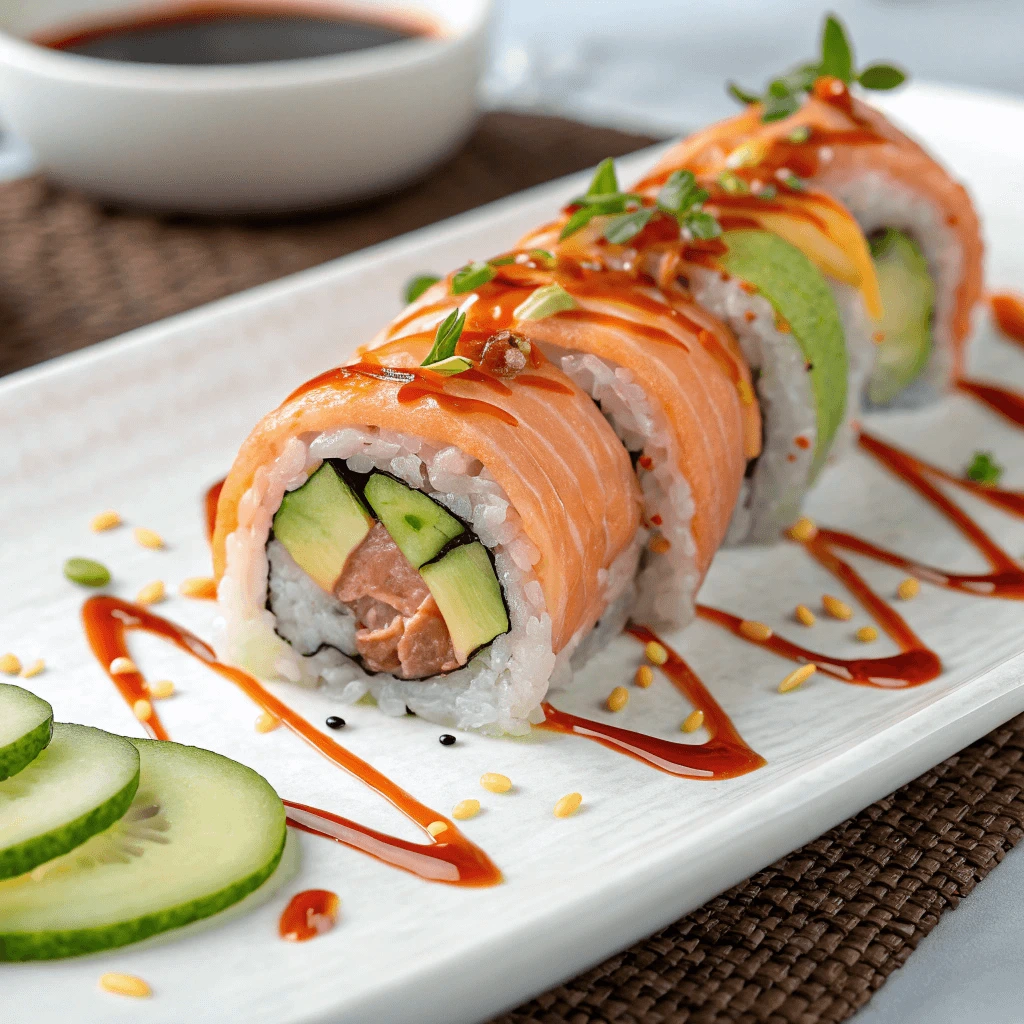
(733, 184)
(544, 302)
(418, 285)
(86, 572)
(471, 276)
(578, 220)
(984, 469)
(629, 225)
(702, 225)
(449, 330)
(737, 92)
(767, 192)
(680, 192)
(543, 254)
(800, 134)
(502, 261)
(604, 181)
(452, 365)
(791, 181)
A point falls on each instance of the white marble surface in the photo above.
(660, 65)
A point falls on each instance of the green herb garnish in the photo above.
(602, 198)
(984, 469)
(452, 365)
(418, 285)
(86, 572)
(544, 302)
(681, 197)
(542, 254)
(471, 276)
(449, 330)
(786, 93)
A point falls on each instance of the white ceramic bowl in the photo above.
(269, 137)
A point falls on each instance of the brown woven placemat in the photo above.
(805, 941)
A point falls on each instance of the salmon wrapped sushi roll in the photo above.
(668, 377)
(924, 234)
(444, 538)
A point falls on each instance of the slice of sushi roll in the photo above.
(428, 533)
(811, 131)
(669, 378)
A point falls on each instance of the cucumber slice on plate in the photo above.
(202, 833)
(26, 722)
(78, 786)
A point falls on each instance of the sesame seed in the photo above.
(746, 392)
(804, 615)
(161, 690)
(142, 710)
(151, 593)
(756, 631)
(836, 608)
(495, 783)
(267, 722)
(693, 721)
(104, 521)
(148, 538)
(10, 664)
(466, 809)
(568, 805)
(656, 653)
(803, 529)
(797, 677)
(435, 828)
(617, 699)
(122, 666)
(334, 722)
(908, 588)
(867, 634)
(659, 544)
(34, 669)
(446, 739)
(125, 985)
(201, 587)
(644, 676)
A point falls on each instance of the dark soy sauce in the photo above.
(228, 33)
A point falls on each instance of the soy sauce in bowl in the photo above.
(236, 33)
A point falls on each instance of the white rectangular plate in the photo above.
(144, 423)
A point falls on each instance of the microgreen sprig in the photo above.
(602, 198)
(785, 94)
(449, 330)
(418, 285)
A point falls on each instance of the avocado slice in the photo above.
(321, 523)
(800, 295)
(908, 301)
(417, 524)
(467, 592)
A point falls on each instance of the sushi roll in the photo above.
(443, 536)
(809, 131)
(669, 378)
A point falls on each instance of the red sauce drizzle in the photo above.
(725, 755)
(1009, 404)
(450, 857)
(1008, 308)
(309, 914)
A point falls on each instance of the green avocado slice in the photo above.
(799, 294)
(417, 524)
(321, 523)
(468, 594)
(908, 301)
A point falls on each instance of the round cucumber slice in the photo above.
(26, 722)
(202, 833)
(78, 786)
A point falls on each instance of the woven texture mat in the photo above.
(805, 941)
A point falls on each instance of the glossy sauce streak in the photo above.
(723, 756)
(451, 858)
(309, 914)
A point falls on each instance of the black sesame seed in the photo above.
(334, 722)
(446, 739)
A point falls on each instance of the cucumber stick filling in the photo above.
(908, 303)
(79, 785)
(201, 833)
(26, 724)
(802, 299)
(423, 588)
